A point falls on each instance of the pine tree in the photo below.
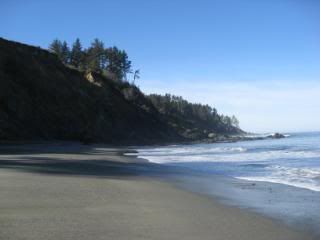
(234, 121)
(65, 53)
(118, 63)
(113, 66)
(61, 49)
(56, 47)
(76, 54)
(96, 57)
(125, 65)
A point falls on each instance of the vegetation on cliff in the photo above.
(110, 61)
(78, 94)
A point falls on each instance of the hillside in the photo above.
(43, 99)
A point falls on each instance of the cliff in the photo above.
(42, 99)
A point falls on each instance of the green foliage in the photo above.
(199, 114)
(170, 104)
(61, 49)
(234, 121)
(118, 62)
(96, 58)
(76, 54)
(230, 121)
(56, 47)
(115, 64)
(65, 53)
(34, 81)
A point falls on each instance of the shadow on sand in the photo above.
(94, 161)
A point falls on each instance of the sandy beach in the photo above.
(80, 192)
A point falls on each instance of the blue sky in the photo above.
(259, 60)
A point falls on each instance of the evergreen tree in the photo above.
(65, 53)
(61, 49)
(96, 57)
(204, 115)
(125, 65)
(56, 47)
(76, 54)
(234, 121)
(113, 65)
(118, 63)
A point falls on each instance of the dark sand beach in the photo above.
(71, 191)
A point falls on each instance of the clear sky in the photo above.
(259, 60)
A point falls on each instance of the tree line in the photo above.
(176, 105)
(115, 63)
(106, 60)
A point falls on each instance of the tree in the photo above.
(234, 121)
(136, 75)
(226, 120)
(96, 56)
(61, 49)
(56, 47)
(118, 63)
(203, 117)
(65, 53)
(114, 62)
(125, 65)
(76, 54)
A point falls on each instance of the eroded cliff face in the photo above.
(43, 99)
(40, 98)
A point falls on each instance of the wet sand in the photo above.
(79, 192)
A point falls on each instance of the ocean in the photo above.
(276, 177)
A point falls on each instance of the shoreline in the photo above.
(218, 139)
(96, 193)
(292, 205)
(271, 200)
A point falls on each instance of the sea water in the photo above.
(294, 160)
(276, 177)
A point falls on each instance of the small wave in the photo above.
(308, 178)
(294, 171)
(232, 154)
(176, 151)
(265, 135)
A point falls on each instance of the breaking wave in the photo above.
(308, 178)
(292, 161)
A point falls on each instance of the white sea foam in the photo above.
(295, 161)
(218, 154)
(190, 150)
(264, 135)
(308, 178)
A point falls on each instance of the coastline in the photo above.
(92, 192)
(221, 138)
(294, 207)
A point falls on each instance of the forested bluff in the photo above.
(90, 95)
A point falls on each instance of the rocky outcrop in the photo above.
(276, 136)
